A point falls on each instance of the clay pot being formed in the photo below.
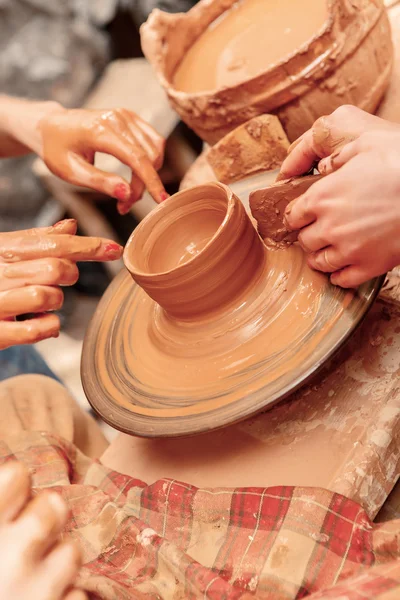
(209, 327)
(187, 257)
(347, 61)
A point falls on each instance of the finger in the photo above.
(312, 238)
(15, 487)
(298, 213)
(68, 226)
(139, 136)
(31, 299)
(324, 138)
(301, 158)
(351, 276)
(70, 247)
(153, 145)
(58, 572)
(327, 260)
(136, 158)
(294, 144)
(339, 158)
(87, 175)
(148, 137)
(44, 271)
(28, 332)
(137, 189)
(40, 524)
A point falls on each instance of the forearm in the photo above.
(18, 124)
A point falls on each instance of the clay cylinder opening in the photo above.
(197, 252)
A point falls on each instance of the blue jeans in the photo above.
(22, 360)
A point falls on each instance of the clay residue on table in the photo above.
(268, 207)
(245, 40)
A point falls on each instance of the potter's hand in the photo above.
(326, 138)
(67, 141)
(350, 219)
(33, 263)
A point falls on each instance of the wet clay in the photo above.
(220, 328)
(347, 60)
(268, 207)
(248, 38)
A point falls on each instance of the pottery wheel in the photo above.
(141, 396)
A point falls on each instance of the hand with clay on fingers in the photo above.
(67, 141)
(349, 221)
(33, 265)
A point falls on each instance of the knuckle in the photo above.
(33, 333)
(37, 296)
(309, 202)
(344, 111)
(55, 268)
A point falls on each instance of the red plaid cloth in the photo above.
(171, 540)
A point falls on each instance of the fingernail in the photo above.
(121, 191)
(164, 196)
(113, 250)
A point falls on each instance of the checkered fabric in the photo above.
(170, 540)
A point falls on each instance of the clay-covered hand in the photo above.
(71, 138)
(326, 138)
(67, 141)
(349, 221)
(33, 264)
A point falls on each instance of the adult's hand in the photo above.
(67, 141)
(327, 137)
(33, 265)
(349, 221)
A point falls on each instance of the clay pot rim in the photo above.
(276, 66)
(157, 214)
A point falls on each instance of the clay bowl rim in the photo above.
(168, 83)
(157, 214)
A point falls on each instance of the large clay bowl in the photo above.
(220, 328)
(348, 61)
